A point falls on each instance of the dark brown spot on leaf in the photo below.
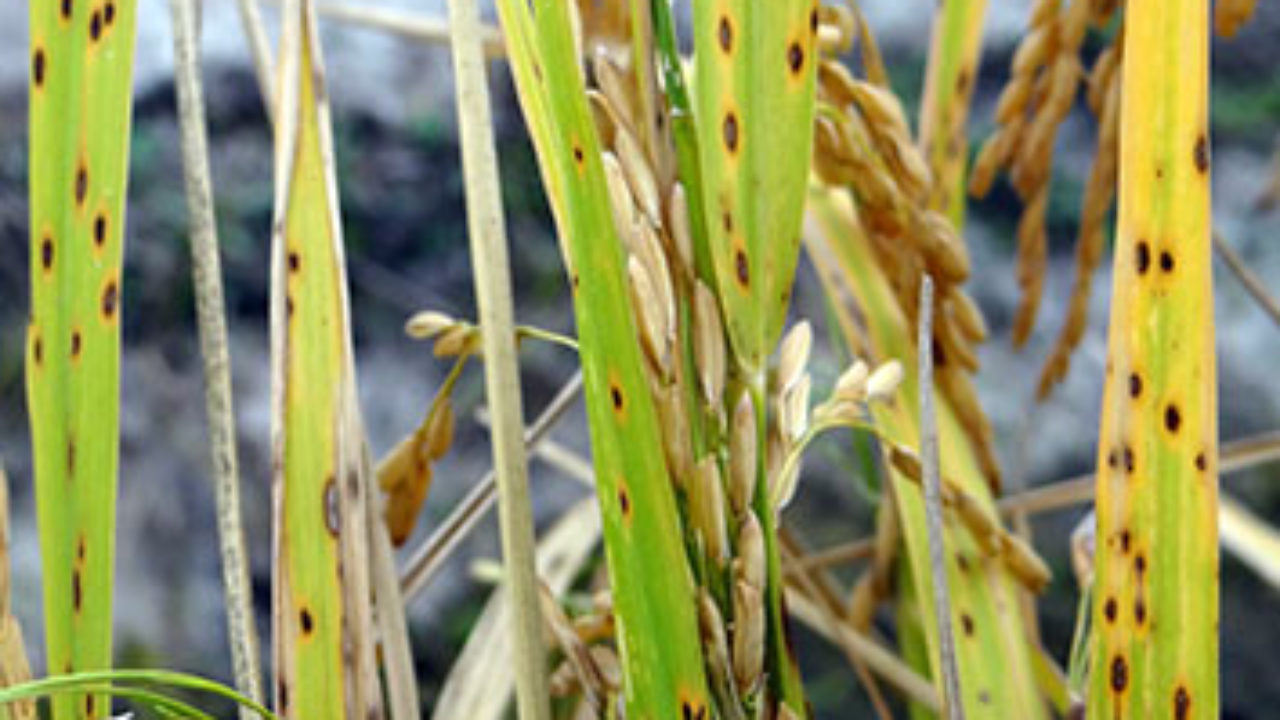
(730, 130)
(77, 593)
(1135, 385)
(1109, 609)
(110, 299)
(1202, 155)
(1139, 611)
(1126, 539)
(82, 184)
(109, 12)
(332, 519)
(37, 350)
(615, 393)
(95, 25)
(743, 268)
(1142, 257)
(1201, 462)
(1129, 461)
(1166, 261)
(294, 261)
(1119, 674)
(1113, 459)
(1140, 565)
(966, 623)
(1172, 418)
(1181, 703)
(75, 344)
(795, 58)
(578, 156)
(624, 501)
(71, 457)
(100, 230)
(962, 82)
(66, 9)
(813, 20)
(726, 34)
(46, 253)
(305, 621)
(37, 67)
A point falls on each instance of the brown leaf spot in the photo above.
(1126, 540)
(624, 501)
(578, 156)
(966, 623)
(1181, 703)
(795, 58)
(1109, 609)
(1129, 461)
(1119, 674)
(95, 25)
(1172, 418)
(46, 252)
(82, 184)
(110, 300)
(331, 509)
(37, 350)
(295, 262)
(109, 13)
(37, 67)
(615, 394)
(742, 267)
(1142, 257)
(1140, 566)
(730, 130)
(75, 344)
(66, 9)
(726, 34)
(77, 592)
(1166, 261)
(305, 621)
(813, 20)
(100, 230)
(1202, 154)
(1140, 611)
(962, 82)
(1135, 385)
(1201, 462)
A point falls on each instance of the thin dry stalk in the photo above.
(427, 559)
(14, 668)
(211, 320)
(260, 47)
(933, 509)
(410, 26)
(502, 382)
(1251, 282)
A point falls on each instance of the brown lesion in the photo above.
(1142, 257)
(81, 185)
(1172, 418)
(110, 299)
(1181, 703)
(795, 58)
(1201, 154)
(624, 500)
(742, 268)
(38, 62)
(724, 33)
(1119, 674)
(729, 130)
(77, 344)
(100, 230)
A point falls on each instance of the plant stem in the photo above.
(933, 508)
(211, 319)
(493, 291)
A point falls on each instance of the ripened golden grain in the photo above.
(743, 454)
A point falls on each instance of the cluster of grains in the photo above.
(1103, 96)
(677, 311)
(1230, 15)
(588, 669)
(863, 141)
(405, 473)
(1045, 76)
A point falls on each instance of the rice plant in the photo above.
(693, 155)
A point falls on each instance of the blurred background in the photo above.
(403, 217)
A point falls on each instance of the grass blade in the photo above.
(323, 651)
(944, 112)
(80, 114)
(754, 99)
(1156, 647)
(502, 380)
(651, 581)
(207, 272)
